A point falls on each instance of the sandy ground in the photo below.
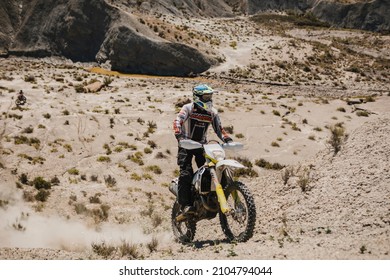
(125, 130)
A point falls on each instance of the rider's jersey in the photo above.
(193, 122)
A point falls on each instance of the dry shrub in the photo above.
(181, 102)
(110, 181)
(267, 165)
(103, 249)
(42, 195)
(152, 245)
(130, 250)
(337, 137)
(287, 173)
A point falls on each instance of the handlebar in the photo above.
(191, 145)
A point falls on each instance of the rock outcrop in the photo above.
(131, 53)
(8, 22)
(372, 16)
(94, 31)
(216, 8)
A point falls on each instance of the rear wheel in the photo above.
(240, 223)
(184, 229)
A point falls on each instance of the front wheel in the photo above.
(184, 230)
(238, 225)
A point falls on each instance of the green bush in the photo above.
(267, 165)
(23, 179)
(103, 159)
(40, 183)
(154, 168)
(42, 195)
(73, 171)
(362, 114)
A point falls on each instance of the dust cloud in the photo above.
(22, 227)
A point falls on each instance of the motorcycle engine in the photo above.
(205, 183)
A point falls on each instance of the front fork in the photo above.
(225, 209)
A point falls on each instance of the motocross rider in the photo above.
(21, 95)
(192, 123)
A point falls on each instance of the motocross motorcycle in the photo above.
(20, 100)
(215, 192)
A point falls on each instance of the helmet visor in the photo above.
(206, 97)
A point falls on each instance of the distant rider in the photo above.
(192, 123)
(21, 99)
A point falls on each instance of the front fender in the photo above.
(229, 162)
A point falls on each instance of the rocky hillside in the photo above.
(367, 15)
(133, 36)
(356, 14)
(93, 31)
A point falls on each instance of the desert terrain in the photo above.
(103, 160)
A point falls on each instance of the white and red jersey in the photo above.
(192, 123)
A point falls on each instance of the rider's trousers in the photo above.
(184, 160)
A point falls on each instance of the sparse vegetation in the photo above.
(154, 168)
(300, 20)
(341, 109)
(110, 181)
(35, 142)
(73, 171)
(41, 183)
(275, 144)
(107, 81)
(29, 79)
(23, 178)
(137, 158)
(304, 179)
(129, 250)
(152, 126)
(362, 114)
(229, 129)
(248, 171)
(102, 249)
(287, 173)
(336, 138)
(267, 165)
(42, 195)
(134, 176)
(152, 245)
(103, 159)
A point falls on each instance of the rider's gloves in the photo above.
(179, 137)
(228, 140)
